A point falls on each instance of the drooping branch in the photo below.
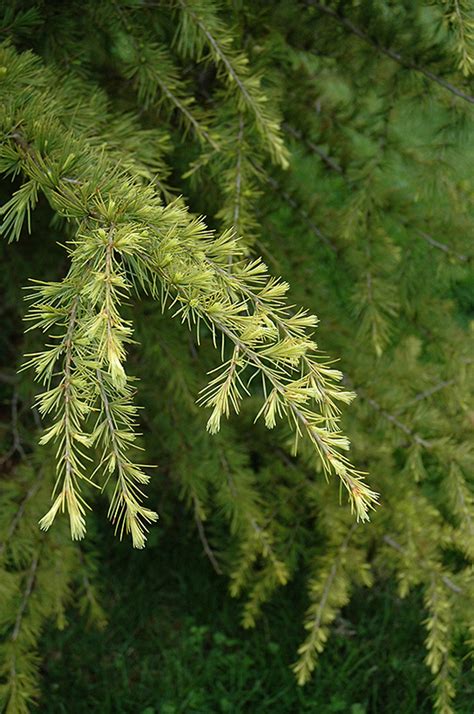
(442, 246)
(394, 420)
(389, 540)
(393, 54)
(203, 538)
(20, 512)
(30, 581)
(302, 212)
(295, 133)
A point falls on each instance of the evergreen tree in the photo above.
(334, 140)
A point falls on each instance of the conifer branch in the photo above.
(15, 685)
(389, 540)
(361, 497)
(181, 105)
(31, 492)
(154, 69)
(17, 679)
(396, 422)
(461, 501)
(106, 334)
(326, 395)
(273, 361)
(396, 56)
(291, 327)
(435, 243)
(301, 211)
(442, 246)
(459, 15)
(85, 152)
(238, 178)
(30, 581)
(329, 594)
(126, 511)
(205, 543)
(425, 394)
(90, 601)
(17, 446)
(115, 424)
(235, 66)
(439, 644)
(66, 401)
(295, 133)
(256, 540)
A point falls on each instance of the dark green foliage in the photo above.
(182, 650)
(332, 139)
